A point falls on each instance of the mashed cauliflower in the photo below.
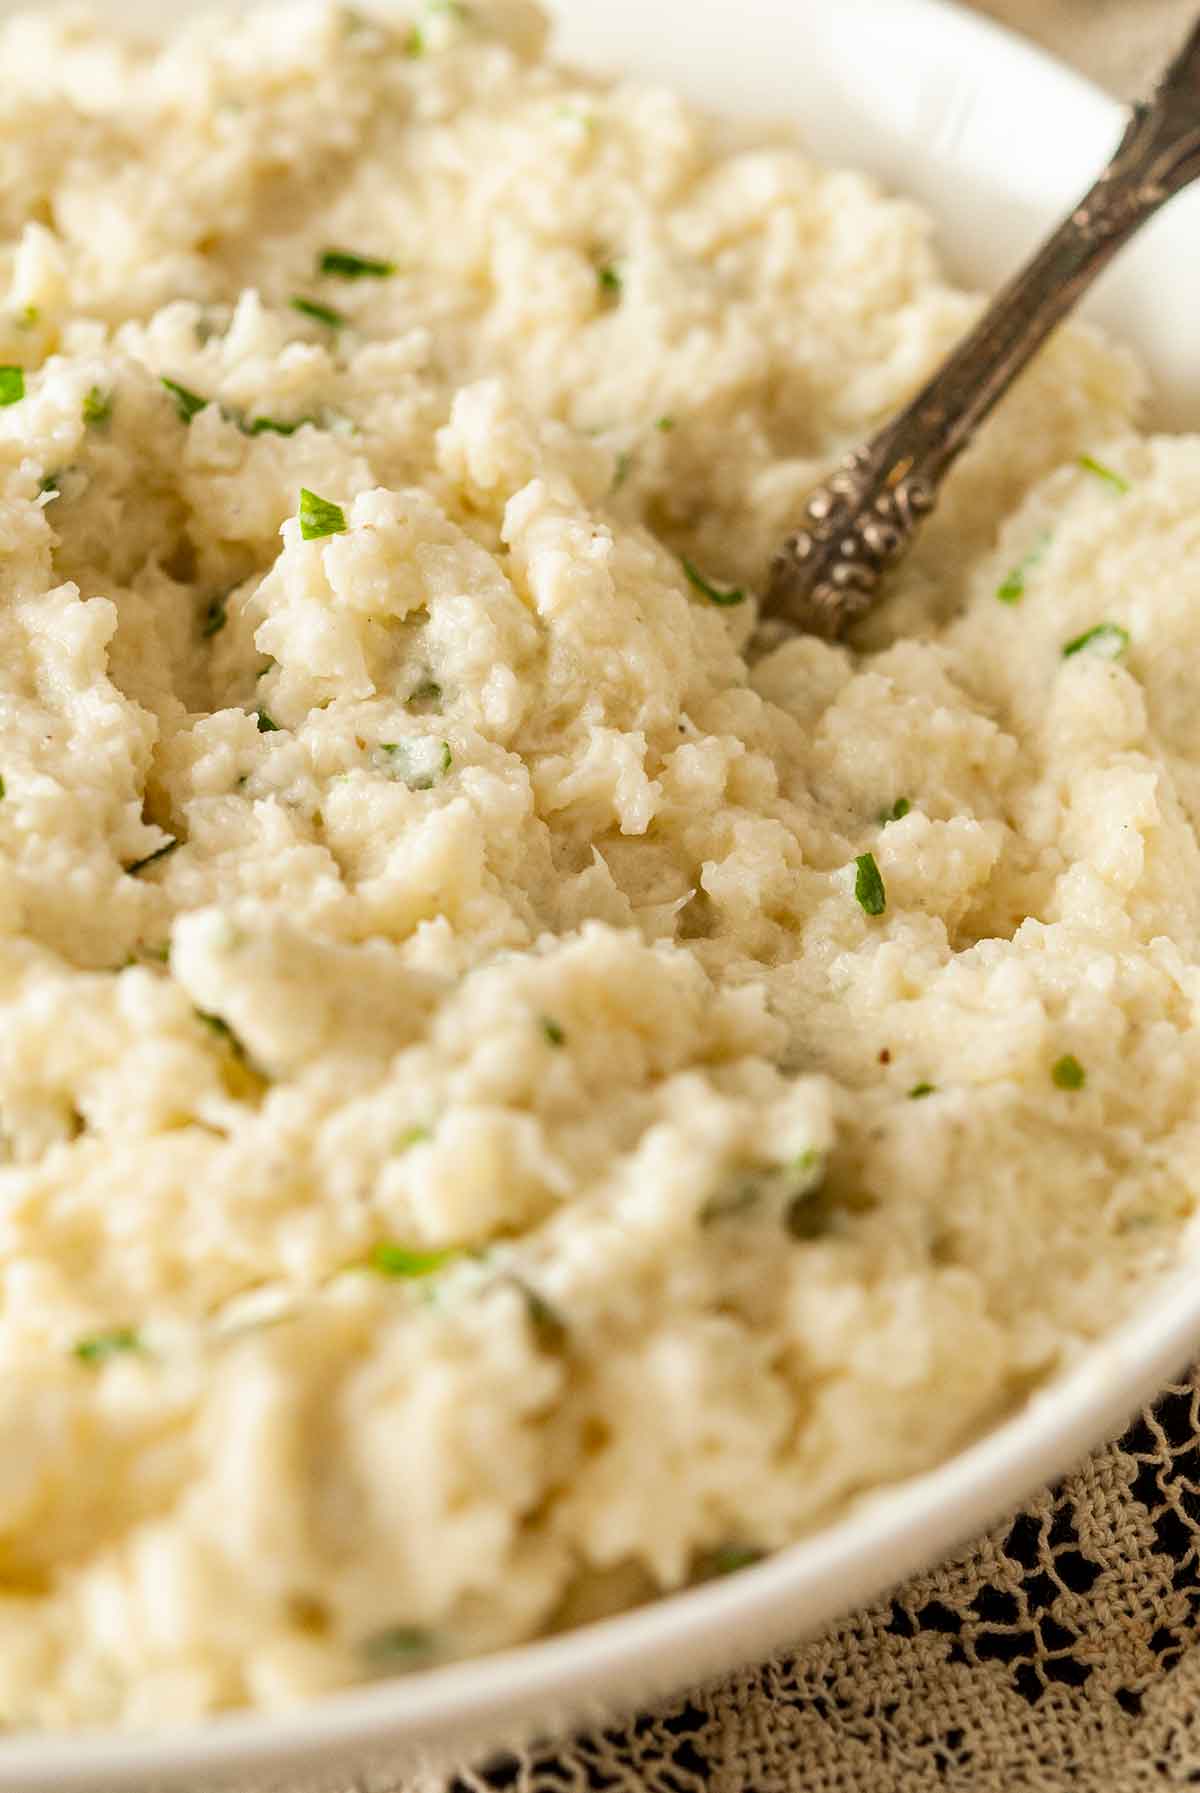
(515, 1097)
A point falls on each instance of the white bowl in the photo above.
(998, 141)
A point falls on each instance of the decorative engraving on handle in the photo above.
(866, 514)
(1159, 154)
(862, 520)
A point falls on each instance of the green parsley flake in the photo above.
(398, 1647)
(215, 618)
(398, 1261)
(266, 724)
(140, 865)
(900, 808)
(419, 764)
(100, 1346)
(319, 518)
(1107, 639)
(12, 385)
(343, 264)
(97, 406)
(609, 280)
(414, 43)
(413, 1136)
(320, 314)
(3, 791)
(1012, 589)
(49, 485)
(622, 470)
(553, 1032)
(1068, 1073)
(187, 403)
(712, 592)
(272, 426)
(727, 1559)
(1090, 465)
(869, 889)
(664, 424)
(919, 1091)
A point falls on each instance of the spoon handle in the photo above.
(863, 519)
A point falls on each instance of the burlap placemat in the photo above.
(1062, 1652)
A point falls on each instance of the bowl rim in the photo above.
(891, 1534)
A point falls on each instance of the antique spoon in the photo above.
(862, 521)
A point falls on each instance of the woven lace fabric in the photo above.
(1059, 1654)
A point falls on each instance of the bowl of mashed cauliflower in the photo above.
(519, 1098)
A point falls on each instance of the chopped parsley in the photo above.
(414, 43)
(609, 280)
(664, 424)
(318, 517)
(712, 592)
(187, 403)
(140, 865)
(12, 385)
(1012, 588)
(345, 265)
(266, 724)
(320, 314)
(727, 1559)
(99, 1346)
(97, 406)
(1107, 639)
(900, 808)
(419, 764)
(1091, 465)
(398, 1647)
(413, 1136)
(215, 617)
(272, 426)
(1068, 1073)
(3, 791)
(919, 1091)
(553, 1032)
(869, 889)
(622, 470)
(49, 486)
(399, 1261)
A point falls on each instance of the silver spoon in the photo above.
(862, 521)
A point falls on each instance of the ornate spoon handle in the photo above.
(862, 521)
